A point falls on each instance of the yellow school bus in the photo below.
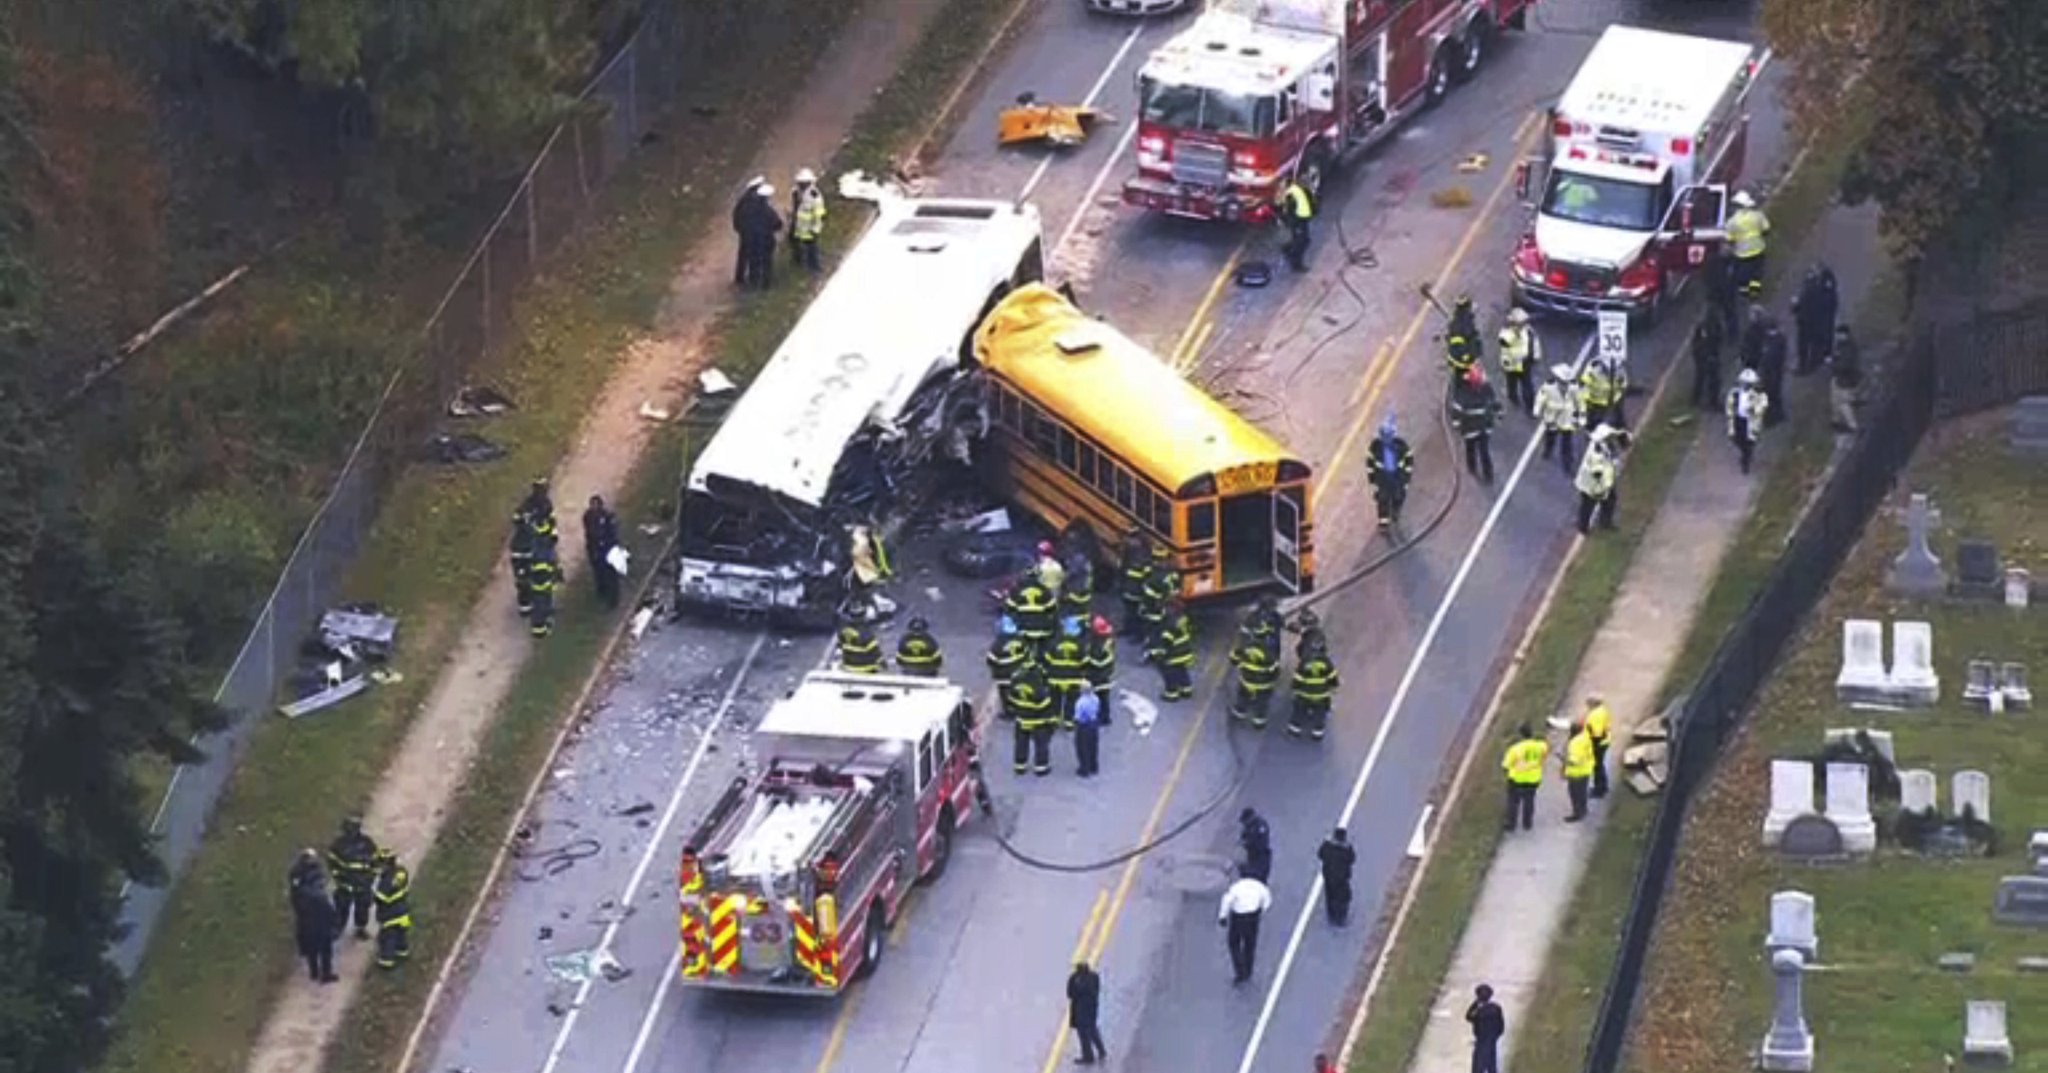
(1091, 428)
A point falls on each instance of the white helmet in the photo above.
(757, 181)
(806, 175)
(1747, 378)
(1601, 432)
(1518, 316)
(1743, 200)
(766, 189)
(1562, 370)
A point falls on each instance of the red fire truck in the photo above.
(792, 881)
(1257, 90)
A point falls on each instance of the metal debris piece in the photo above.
(478, 400)
(652, 412)
(713, 382)
(1475, 163)
(326, 698)
(1056, 125)
(462, 449)
(360, 627)
(580, 966)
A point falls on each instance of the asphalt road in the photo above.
(973, 975)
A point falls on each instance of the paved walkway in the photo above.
(1534, 876)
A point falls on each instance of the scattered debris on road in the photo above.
(583, 965)
(1060, 126)
(1139, 710)
(1475, 163)
(1452, 197)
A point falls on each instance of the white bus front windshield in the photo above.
(1604, 202)
(1208, 110)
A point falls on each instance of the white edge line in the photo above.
(1045, 162)
(1379, 741)
(654, 1008)
(654, 845)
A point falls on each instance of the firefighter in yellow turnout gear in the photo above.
(1315, 690)
(1747, 238)
(394, 911)
(917, 651)
(1258, 673)
(1028, 703)
(860, 652)
(1173, 651)
(1066, 670)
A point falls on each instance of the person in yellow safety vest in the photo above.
(1297, 207)
(1523, 766)
(1596, 481)
(1007, 652)
(1101, 663)
(394, 911)
(1258, 674)
(1027, 702)
(1173, 651)
(1032, 606)
(1315, 688)
(1049, 570)
(1066, 670)
(807, 219)
(1135, 571)
(1747, 231)
(1578, 764)
(917, 651)
(1461, 338)
(1161, 589)
(860, 652)
(1521, 352)
(1600, 389)
(1561, 410)
(1599, 727)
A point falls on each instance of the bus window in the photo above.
(1202, 522)
(1123, 488)
(1141, 504)
(1069, 459)
(1037, 429)
(1088, 463)
(1162, 514)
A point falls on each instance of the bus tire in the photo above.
(874, 939)
(1439, 81)
(942, 846)
(1474, 47)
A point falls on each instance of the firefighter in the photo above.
(806, 220)
(1161, 589)
(1389, 466)
(1747, 405)
(917, 651)
(1028, 704)
(1747, 232)
(1077, 596)
(351, 859)
(1296, 209)
(1461, 339)
(1032, 606)
(543, 577)
(1561, 410)
(1258, 672)
(1523, 766)
(1313, 639)
(1173, 651)
(1521, 351)
(1101, 663)
(537, 507)
(1474, 410)
(1596, 480)
(1258, 630)
(1601, 386)
(860, 651)
(394, 911)
(1066, 670)
(521, 554)
(1007, 653)
(1315, 689)
(1134, 571)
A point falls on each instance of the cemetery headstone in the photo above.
(1977, 574)
(1849, 806)
(1792, 925)
(1788, 1046)
(2030, 425)
(1959, 961)
(2037, 850)
(1919, 791)
(1812, 836)
(2018, 586)
(1791, 797)
(2012, 685)
(2021, 901)
(1916, 572)
(1862, 679)
(1913, 681)
(1985, 1040)
(1980, 677)
(1970, 792)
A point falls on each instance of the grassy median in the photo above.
(1448, 886)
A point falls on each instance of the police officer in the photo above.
(1173, 651)
(1161, 589)
(1747, 407)
(760, 224)
(806, 220)
(1133, 572)
(1596, 481)
(600, 536)
(1101, 664)
(394, 911)
(1315, 687)
(1066, 670)
(351, 858)
(1771, 371)
(1474, 410)
(1087, 729)
(1337, 858)
(1028, 703)
(917, 651)
(1389, 465)
(314, 920)
(1007, 653)
(742, 219)
(1032, 606)
(1600, 728)
(1747, 230)
(1296, 209)
(860, 651)
(1578, 764)
(1258, 673)
(1255, 838)
(1561, 410)
(1523, 766)
(1521, 352)
(1813, 316)
(1461, 339)
(543, 577)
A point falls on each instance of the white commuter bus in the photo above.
(848, 408)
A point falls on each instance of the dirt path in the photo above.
(413, 800)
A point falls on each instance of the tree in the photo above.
(1958, 91)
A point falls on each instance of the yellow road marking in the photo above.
(1379, 375)
(1059, 1038)
(1201, 312)
(1365, 381)
(837, 1040)
(1193, 356)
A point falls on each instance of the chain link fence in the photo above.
(1943, 372)
(552, 203)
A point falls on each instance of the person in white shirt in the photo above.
(1243, 904)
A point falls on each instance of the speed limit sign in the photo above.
(1613, 329)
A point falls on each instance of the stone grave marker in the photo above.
(1916, 572)
(2029, 433)
(1913, 681)
(1970, 792)
(1849, 806)
(1919, 791)
(2012, 685)
(1980, 678)
(1792, 925)
(1862, 678)
(1788, 1046)
(1977, 573)
(1984, 1036)
(1812, 837)
(2021, 901)
(2018, 586)
(1791, 797)
(2037, 851)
